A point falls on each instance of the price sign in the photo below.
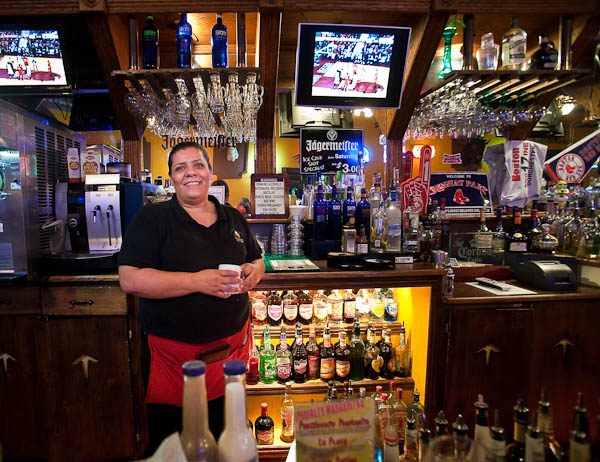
(270, 197)
(330, 150)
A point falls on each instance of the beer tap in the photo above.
(108, 210)
(95, 211)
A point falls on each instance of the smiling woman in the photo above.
(169, 259)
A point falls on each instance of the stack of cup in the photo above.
(295, 238)
(278, 239)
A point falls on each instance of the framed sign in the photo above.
(269, 194)
(329, 150)
(465, 193)
(218, 192)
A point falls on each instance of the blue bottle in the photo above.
(219, 43)
(184, 43)
(349, 207)
(363, 213)
(320, 216)
(149, 44)
(334, 216)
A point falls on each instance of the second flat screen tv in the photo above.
(350, 66)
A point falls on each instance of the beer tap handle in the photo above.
(108, 210)
(94, 212)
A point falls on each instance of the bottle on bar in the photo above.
(410, 231)
(402, 354)
(426, 235)
(400, 413)
(287, 415)
(363, 214)
(387, 353)
(348, 207)
(357, 353)
(445, 224)
(375, 194)
(497, 446)
(327, 356)
(483, 236)
(462, 442)
(320, 307)
(299, 358)
(362, 242)
(378, 241)
(373, 361)
(411, 438)
(334, 216)
(314, 354)
(377, 306)
(197, 442)
(320, 216)
(236, 443)
(441, 424)
(349, 307)
(305, 307)
(264, 427)
(363, 305)
(442, 446)
(424, 446)
(391, 306)
(336, 304)
(534, 231)
(268, 363)
(184, 43)
(394, 223)
(219, 43)
(308, 198)
(499, 236)
(284, 358)
(514, 48)
(534, 443)
(553, 451)
(342, 358)
(418, 410)
(436, 227)
(290, 308)
(481, 439)
(579, 445)
(515, 452)
(274, 309)
(150, 44)
(546, 56)
(259, 308)
(516, 240)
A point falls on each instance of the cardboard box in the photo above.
(74, 165)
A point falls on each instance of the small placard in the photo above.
(270, 197)
(219, 192)
(404, 260)
(465, 193)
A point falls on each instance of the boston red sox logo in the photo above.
(460, 198)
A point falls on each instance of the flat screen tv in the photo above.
(350, 66)
(31, 56)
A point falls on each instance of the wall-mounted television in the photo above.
(349, 66)
(31, 56)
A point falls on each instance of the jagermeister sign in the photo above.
(329, 150)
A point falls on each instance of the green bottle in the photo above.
(357, 354)
(268, 363)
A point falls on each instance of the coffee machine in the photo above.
(103, 212)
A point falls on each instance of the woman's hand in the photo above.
(215, 282)
(252, 273)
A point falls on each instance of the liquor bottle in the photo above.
(336, 306)
(394, 223)
(362, 242)
(377, 397)
(299, 358)
(410, 231)
(334, 216)
(149, 44)
(290, 308)
(400, 411)
(264, 427)
(219, 43)
(373, 361)
(378, 241)
(481, 440)
(514, 48)
(308, 197)
(483, 236)
(571, 231)
(274, 309)
(357, 353)
(534, 443)
(391, 306)
(499, 236)
(553, 451)
(342, 358)
(259, 308)
(533, 232)
(515, 452)
(497, 446)
(348, 207)
(305, 307)
(283, 356)
(418, 410)
(462, 442)
(402, 354)
(445, 223)
(268, 363)
(546, 56)
(436, 227)
(320, 307)
(389, 433)
(387, 353)
(314, 355)
(425, 446)
(579, 444)
(184, 43)
(282, 335)
(442, 446)
(320, 216)
(197, 442)
(411, 441)
(363, 305)
(375, 194)
(441, 424)
(349, 307)
(377, 307)
(287, 415)
(362, 393)
(517, 241)
(327, 355)
(329, 389)
(363, 214)
(236, 443)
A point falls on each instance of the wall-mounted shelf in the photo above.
(318, 386)
(335, 330)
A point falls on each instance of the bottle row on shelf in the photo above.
(354, 360)
(338, 307)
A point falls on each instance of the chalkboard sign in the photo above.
(465, 193)
(270, 197)
(329, 150)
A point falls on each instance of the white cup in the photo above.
(237, 269)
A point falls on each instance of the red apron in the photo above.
(165, 385)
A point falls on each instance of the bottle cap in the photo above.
(460, 428)
(425, 435)
(234, 367)
(263, 407)
(384, 396)
(195, 368)
(378, 389)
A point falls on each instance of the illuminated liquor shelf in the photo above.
(318, 386)
(335, 330)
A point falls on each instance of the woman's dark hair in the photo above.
(185, 145)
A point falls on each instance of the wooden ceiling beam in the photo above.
(516, 7)
(425, 38)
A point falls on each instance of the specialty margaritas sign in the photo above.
(336, 431)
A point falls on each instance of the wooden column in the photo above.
(268, 61)
(132, 153)
(394, 154)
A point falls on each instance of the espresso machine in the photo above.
(103, 212)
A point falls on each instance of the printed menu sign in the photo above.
(336, 431)
(330, 150)
(270, 197)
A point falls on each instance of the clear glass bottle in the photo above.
(314, 354)
(418, 410)
(579, 445)
(499, 236)
(411, 439)
(481, 439)
(299, 358)
(336, 307)
(197, 441)
(545, 242)
(288, 429)
(462, 442)
(487, 55)
(394, 223)
(290, 308)
(497, 447)
(410, 232)
(400, 413)
(320, 307)
(378, 242)
(363, 305)
(236, 443)
(377, 307)
(442, 445)
(445, 222)
(402, 355)
(514, 48)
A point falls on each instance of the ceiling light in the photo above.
(567, 108)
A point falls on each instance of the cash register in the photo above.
(546, 275)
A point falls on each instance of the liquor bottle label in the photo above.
(342, 368)
(306, 310)
(290, 312)
(259, 311)
(350, 309)
(518, 247)
(313, 365)
(392, 308)
(320, 311)
(284, 368)
(483, 241)
(265, 436)
(495, 451)
(327, 368)
(516, 49)
(300, 366)
(378, 308)
(270, 368)
(337, 310)
(275, 312)
(287, 421)
(534, 449)
(362, 248)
